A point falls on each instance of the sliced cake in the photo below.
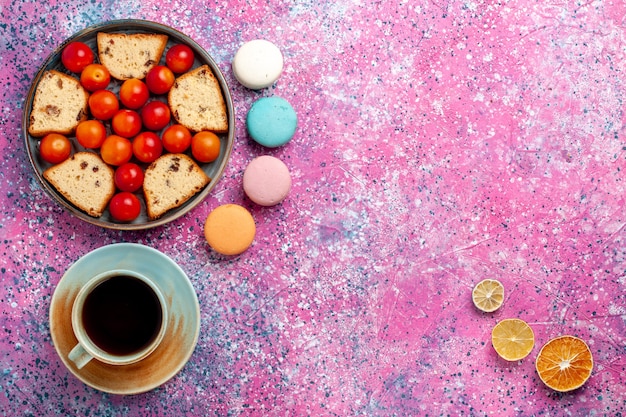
(130, 55)
(197, 102)
(85, 180)
(170, 181)
(60, 103)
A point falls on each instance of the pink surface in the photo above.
(439, 143)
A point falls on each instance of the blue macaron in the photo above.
(271, 121)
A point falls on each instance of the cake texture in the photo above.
(59, 105)
(85, 180)
(130, 55)
(197, 101)
(170, 181)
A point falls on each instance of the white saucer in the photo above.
(183, 327)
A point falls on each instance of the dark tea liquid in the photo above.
(122, 315)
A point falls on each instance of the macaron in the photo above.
(257, 64)
(266, 180)
(229, 229)
(271, 121)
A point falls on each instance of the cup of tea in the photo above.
(119, 317)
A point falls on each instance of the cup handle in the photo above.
(79, 356)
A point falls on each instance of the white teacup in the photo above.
(119, 317)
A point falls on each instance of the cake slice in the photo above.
(170, 181)
(130, 55)
(85, 180)
(60, 103)
(197, 102)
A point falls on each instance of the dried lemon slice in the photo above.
(513, 339)
(488, 295)
(564, 363)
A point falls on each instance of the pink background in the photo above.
(439, 143)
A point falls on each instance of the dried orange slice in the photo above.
(513, 339)
(564, 363)
(488, 295)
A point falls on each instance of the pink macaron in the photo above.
(266, 180)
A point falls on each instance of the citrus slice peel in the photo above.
(512, 339)
(564, 363)
(488, 295)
